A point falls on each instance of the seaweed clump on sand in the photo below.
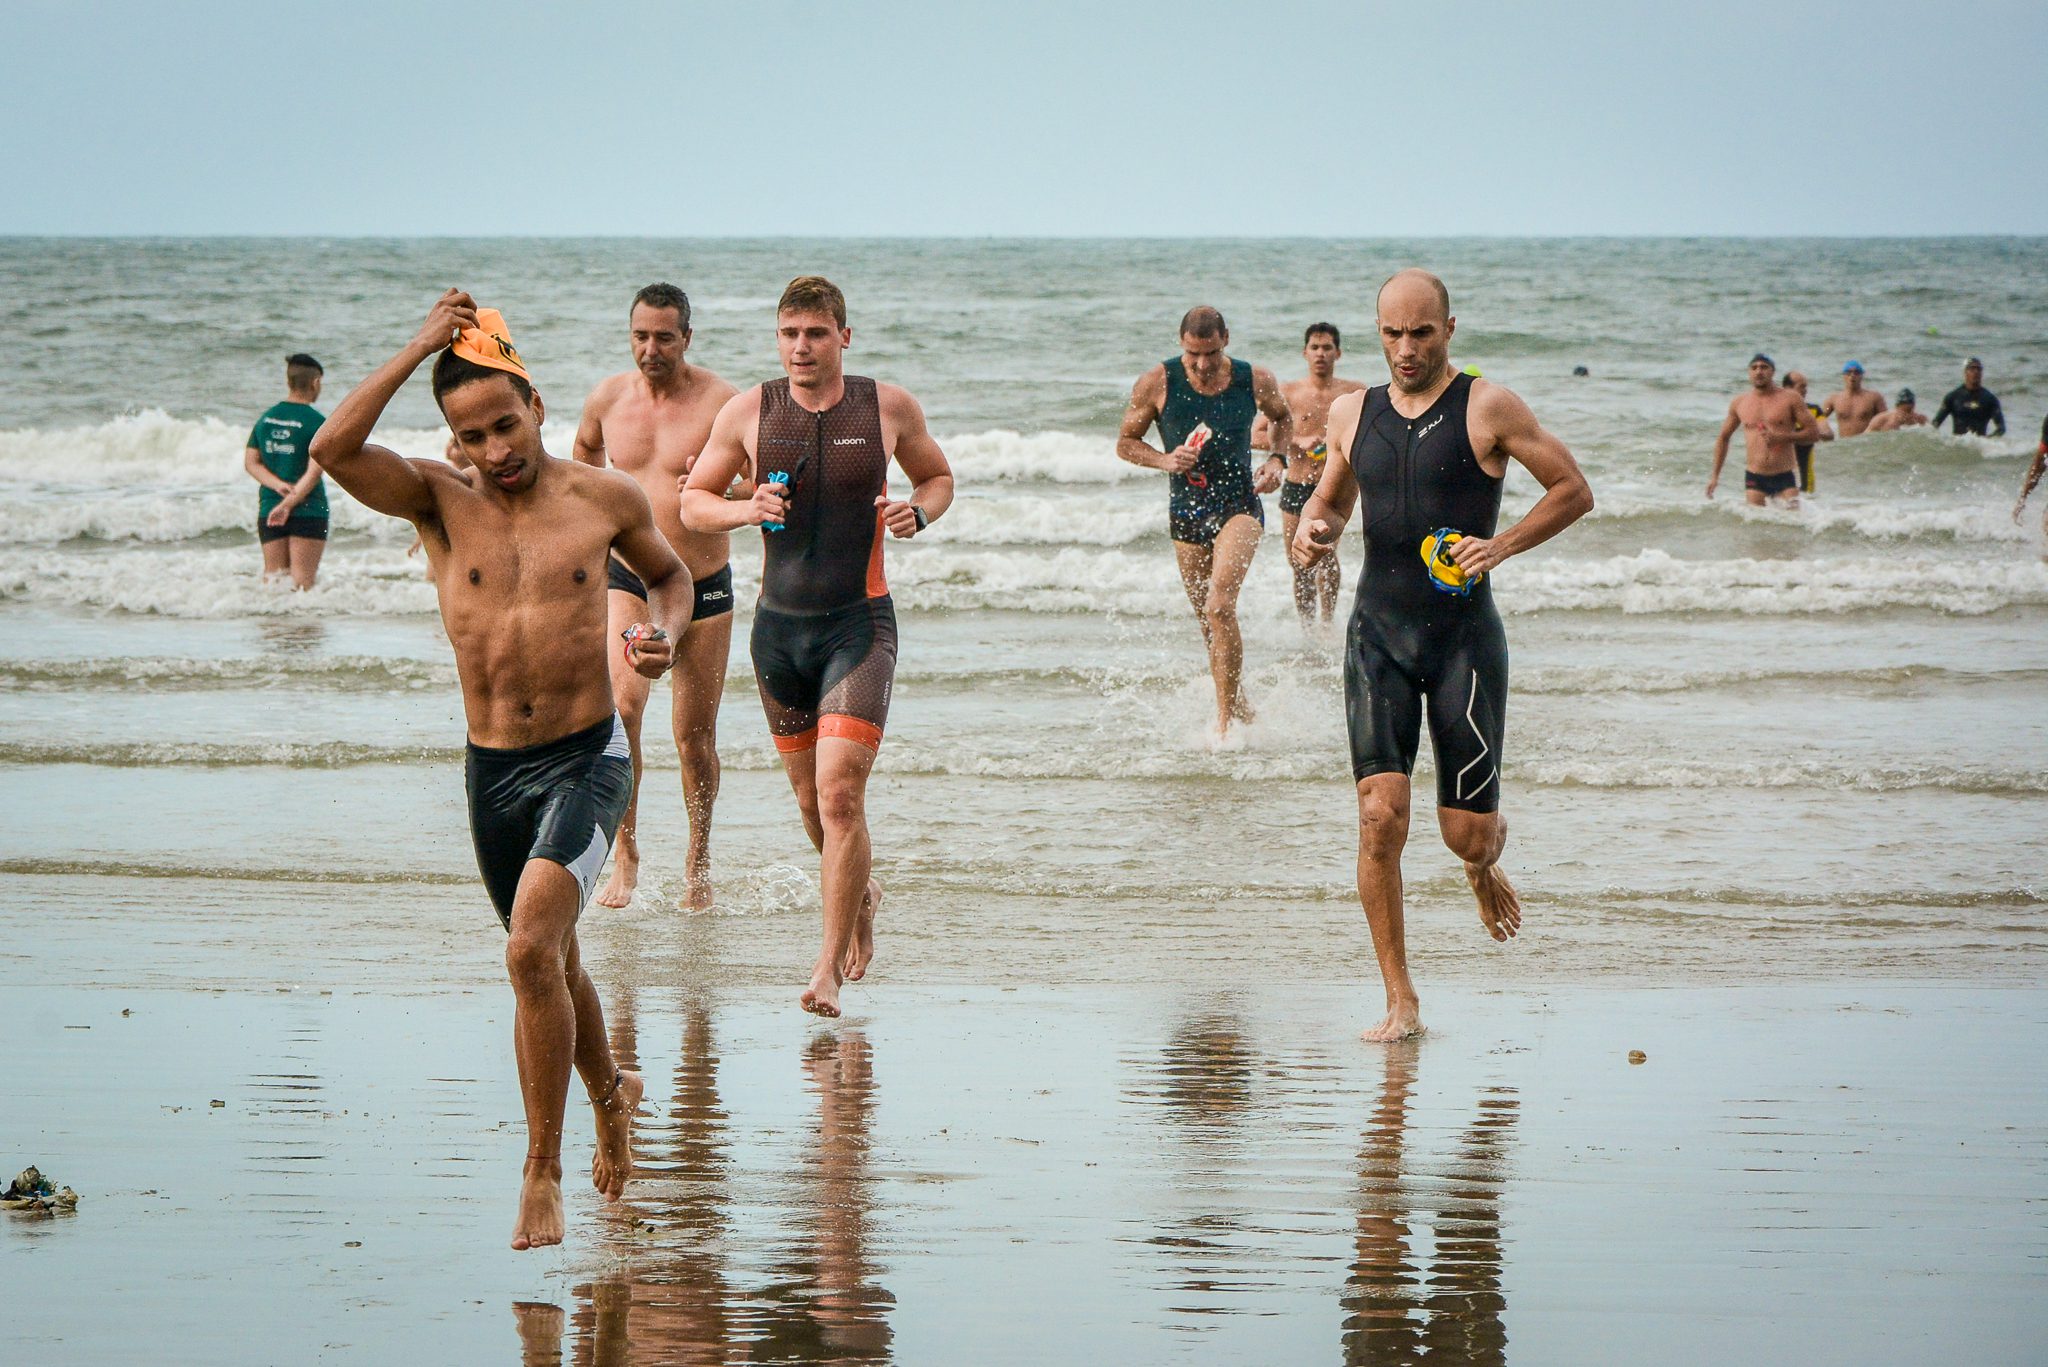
(32, 1192)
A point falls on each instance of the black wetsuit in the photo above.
(1219, 486)
(1975, 411)
(1804, 454)
(824, 641)
(1410, 640)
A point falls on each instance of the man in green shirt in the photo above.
(291, 509)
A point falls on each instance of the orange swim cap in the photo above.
(489, 343)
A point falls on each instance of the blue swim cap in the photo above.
(1848, 366)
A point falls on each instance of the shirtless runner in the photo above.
(1773, 421)
(516, 547)
(817, 447)
(1427, 453)
(1309, 399)
(651, 422)
(1852, 406)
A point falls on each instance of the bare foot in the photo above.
(821, 998)
(1401, 1022)
(861, 952)
(625, 873)
(1500, 911)
(540, 1205)
(697, 890)
(612, 1164)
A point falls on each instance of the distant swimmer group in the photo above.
(1780, 439)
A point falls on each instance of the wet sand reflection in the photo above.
(1447, 1306)
(676, 1296)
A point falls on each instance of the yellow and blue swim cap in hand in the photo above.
(1444, 574)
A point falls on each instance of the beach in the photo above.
(1775, 783)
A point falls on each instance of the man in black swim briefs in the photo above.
(650, 422)
(1774, 421)
(1308, 401)
(517, 546)
(817, 447)
(1427, 453)
(1205, 403)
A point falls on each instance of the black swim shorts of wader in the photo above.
(561, 801)
(312, 528)
(1770, 486)
(1294, 497)
(1412, 650)
(826, 674)
(713, 591)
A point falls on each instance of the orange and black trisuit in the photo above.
(824, 640)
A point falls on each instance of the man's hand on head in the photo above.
(451, 313)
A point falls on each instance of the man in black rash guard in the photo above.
(1205, 404)
(817, 446)
(1975, 408)
(1428, 454)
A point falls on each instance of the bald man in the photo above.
(1428, 452)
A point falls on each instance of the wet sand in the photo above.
(1847, 1173)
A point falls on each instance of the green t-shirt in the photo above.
(282, 437)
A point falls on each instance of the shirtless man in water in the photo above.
(1427, 454)
(824, 642)
(1773, 421)
(651, 422)
(516, 547)
(1309, 400)
(1852, 406)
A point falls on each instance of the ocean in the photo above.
(1739, 740)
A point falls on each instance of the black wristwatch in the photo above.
(922, 518)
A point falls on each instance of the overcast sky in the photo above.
(809, 117)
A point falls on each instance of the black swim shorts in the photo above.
(1197, 517)
(1770, 486)
(561, 801)
(827, 674)
(713, 592)
(1294, 497)
(1454, 671)
(312, 528)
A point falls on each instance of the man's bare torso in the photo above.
(1309, 400)
(522, 587)
(1764, 456)
(656, 440)
(1853, 412)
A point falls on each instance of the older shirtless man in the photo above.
(1309, 399)
(651, 422)
(1803, 452)
(1773, 421)
(516, 547)
(1852, 406)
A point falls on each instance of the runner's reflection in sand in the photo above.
(1450, 1311)
(1204, 1086)
(826, 1307)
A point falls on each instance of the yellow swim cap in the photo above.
(1443, 571)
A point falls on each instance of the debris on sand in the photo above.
(32, 1192)
(1638, 1056)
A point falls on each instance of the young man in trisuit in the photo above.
(651, 422)
(1428, 453)
(1773, 421)
(1309, 400)
(1205, 403)
(817, 447)
(1852, 406)
(516, 547)
(291, 508)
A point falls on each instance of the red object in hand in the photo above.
(1198, 438)
(633, 635)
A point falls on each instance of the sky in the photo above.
(1195, 118)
